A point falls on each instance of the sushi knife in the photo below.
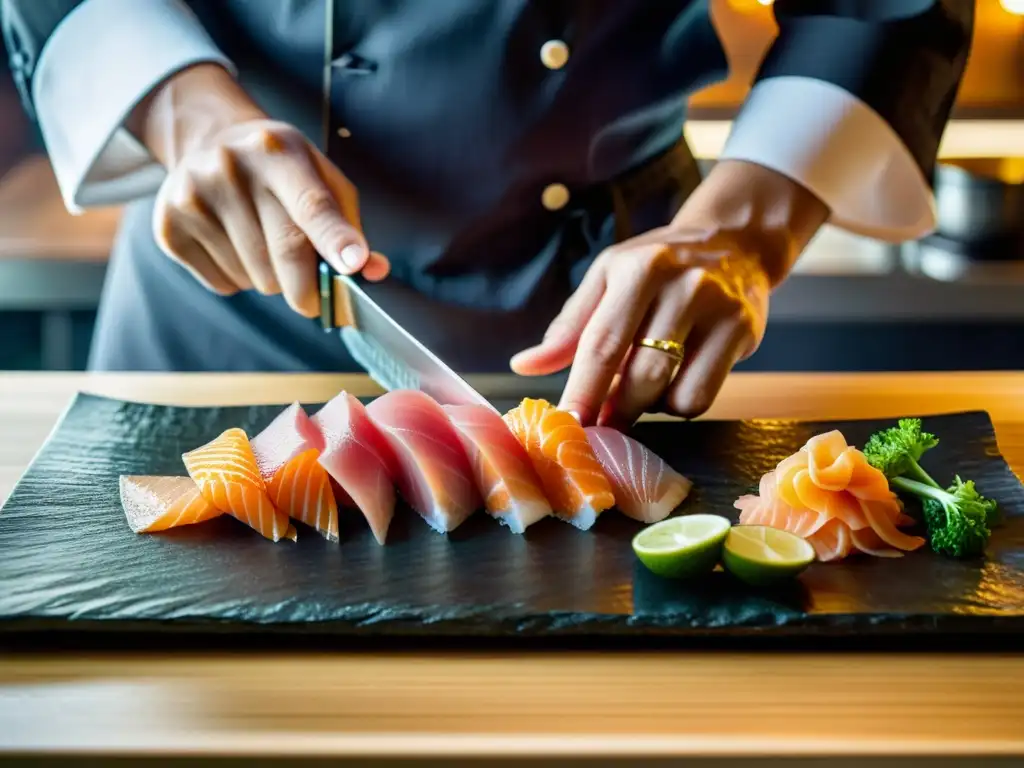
(392, 356)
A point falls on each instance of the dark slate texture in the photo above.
(69, 562)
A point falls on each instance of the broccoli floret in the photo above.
(897, 450)
(957, 518)
(952, 534)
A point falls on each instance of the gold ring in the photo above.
(671, 348)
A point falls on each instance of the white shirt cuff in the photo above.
(840, 149)
(100, 61)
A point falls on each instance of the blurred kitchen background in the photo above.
(952, 301)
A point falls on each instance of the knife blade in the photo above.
(392, 356)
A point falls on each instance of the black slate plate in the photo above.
(69, 562)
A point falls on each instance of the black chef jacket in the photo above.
(497, 145)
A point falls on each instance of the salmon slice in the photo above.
(768, 509)
(502, 469)
(572, 477)
(832, 541)
(867, 482)
(228, 477)
(829, 494)
(830, 461)
(302, 490)
(287, 453)
(882, 519)
(646, 488)
(154, 504)
(359, 460)
(870, 543)
(828, 503)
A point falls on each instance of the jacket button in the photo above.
(554, 54)
(344, 133)
(555, 197)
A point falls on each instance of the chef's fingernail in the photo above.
(353, 256)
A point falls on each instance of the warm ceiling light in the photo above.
(1013, 6)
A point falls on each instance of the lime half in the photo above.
(681, 547)
(762, 556)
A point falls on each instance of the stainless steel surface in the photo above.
(392, 356)
(980, 199)
(895, 297)
(937, 263)
(40, 285)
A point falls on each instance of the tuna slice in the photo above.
(432, 470)
(287, 453)
(502, 469)
(646, 488)
(358, 458)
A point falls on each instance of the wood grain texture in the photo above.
(697, 703)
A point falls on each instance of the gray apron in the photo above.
(497, 146)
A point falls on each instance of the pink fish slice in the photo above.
(290, 433)
(358, 458)
(432, 471)
(501, 467)
(286, 453)
(646, 488)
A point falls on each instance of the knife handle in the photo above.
(326, 277)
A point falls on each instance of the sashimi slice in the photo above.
(870, 543)
(573, 479)
(228, 477)
(775, 513)
(832, 541)
(646, 488)
(154, 503)
(829, 494)
(829, 503)
(868, 482)
(290, 433)
(302, 490)
(359, 460)
(831, 461)
(433, 472)
(286, 453)
(502, 469)
(882, 522)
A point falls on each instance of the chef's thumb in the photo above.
(350, 257)
(347, 251)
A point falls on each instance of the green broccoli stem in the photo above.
(925, 490)
(916, 472)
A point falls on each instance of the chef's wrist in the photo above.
(765, 212)
(188, 109)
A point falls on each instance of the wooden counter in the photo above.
(612, 703)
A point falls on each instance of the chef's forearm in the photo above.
(189, 108)
(82, 66)
(764, 212)
(851, 102)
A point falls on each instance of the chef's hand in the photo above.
(248, 202)
(702, 281)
